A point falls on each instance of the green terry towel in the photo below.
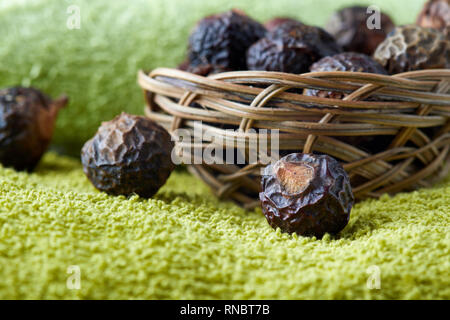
(62, 239)
(97, 64)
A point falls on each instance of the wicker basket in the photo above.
(409, 113)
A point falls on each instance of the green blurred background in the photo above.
(96, 65)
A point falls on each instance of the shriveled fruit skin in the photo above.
(27, 119)
(129, 154)
(345, 61)
(291, 47)
(276, 22)
(307, 194)
(276, 55)
(223, 39)
(349, 27)
(435, 14)
(411, 47)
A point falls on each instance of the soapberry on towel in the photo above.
(27, 119)
(307, 194)
(129, 154)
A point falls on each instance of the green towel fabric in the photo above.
(97, 64)
(55, 228)
(187, 244)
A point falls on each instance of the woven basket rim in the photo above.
(403, 106)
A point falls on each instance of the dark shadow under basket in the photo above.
(391, 133)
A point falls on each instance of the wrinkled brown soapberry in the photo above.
(291, 47)
(222, 40)
(307, 194)
(346, 61)
(410, 48)
(129, 154)
(435, 14)
(350, 28)
(27, 119)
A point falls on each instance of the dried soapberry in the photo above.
(291, 47)
(202, 69)
(129, 154)
(223, 39)
(276, 55)
(350, 28)
(306, 194)
(276, 22)
(346, 61)
(435, 14)
(27, 119)
(411, 48)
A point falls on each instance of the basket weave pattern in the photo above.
(409, 112)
